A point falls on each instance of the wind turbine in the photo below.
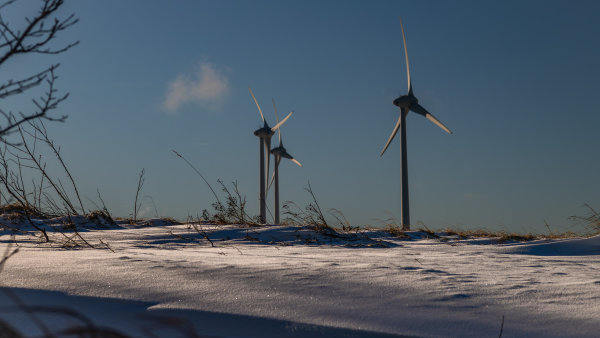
(407, 103)
(264, 134)
(278, 153)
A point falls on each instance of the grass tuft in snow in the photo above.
(311, 215)
(396, 231)
(17, 212)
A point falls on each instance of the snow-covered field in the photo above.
(169, 280)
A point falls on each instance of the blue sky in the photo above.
(516, 81)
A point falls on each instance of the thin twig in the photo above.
(198, 172)
(139, 187)
(42, 130)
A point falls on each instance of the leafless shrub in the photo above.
(27, 156)
(34, 36)
(341, 221)
(311, 215)
(40, 128)
(13, 184)
(591, 220)
(234, 209)
(101, 211)
(48, 198)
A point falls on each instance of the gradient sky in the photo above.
(516, 81)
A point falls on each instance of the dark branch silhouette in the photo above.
(35, 38)
(31, 35)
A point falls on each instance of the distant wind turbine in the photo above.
(264, 134)
(407, 103)
(278, 153)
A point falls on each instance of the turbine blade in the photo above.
(281, 122)
(257, 105)
(271, 181)
(277, 161)
(277, 117)
(393, 133)
(417, 108)
(406, 55)
(296, 161)
(291, 158)
(275, 108)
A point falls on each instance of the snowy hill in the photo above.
(281, 281)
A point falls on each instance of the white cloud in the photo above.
(207, 87)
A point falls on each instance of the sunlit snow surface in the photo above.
(169, 280)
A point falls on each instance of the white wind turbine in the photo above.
(278, 153)
(407, 103)
(264, 134)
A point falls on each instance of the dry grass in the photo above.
(501, 236)
(396, 231)
(100, 217)
(233, 211)
(423, 228)
(312, 216)
(16, 211)
(508, 237)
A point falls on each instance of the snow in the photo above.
(571, 247)
(281, 281)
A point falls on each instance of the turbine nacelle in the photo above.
(265, 131)
(281, 152)
(278, 151)
(406, 101)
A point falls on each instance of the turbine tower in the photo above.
(407, 103)
(264, 134)
(278, 153)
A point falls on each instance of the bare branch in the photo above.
(48, 103)
(139, 187)
(36, 36)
